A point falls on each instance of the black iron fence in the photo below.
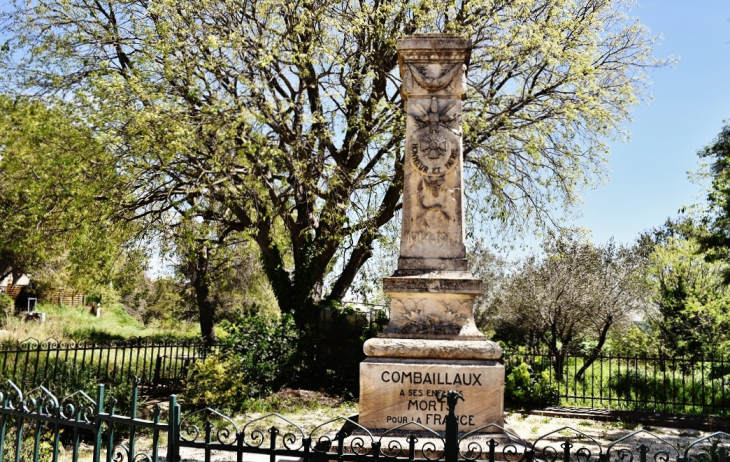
(156, 364)
(649, 383)
(641, 382)
(39, 426)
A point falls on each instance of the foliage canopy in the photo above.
(283, 119)
(715, 242)
(52, 225)
(691, 307)
(572, 297)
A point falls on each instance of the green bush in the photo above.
(6, 303)
(264, 352)
(213, 383)
(526, 389)
(377, 326)
(71, 376)
(257, 357)
(45, 446)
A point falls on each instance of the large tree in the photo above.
(52, 172)
(715, 239)
(576, 292)
(690, 309)
(283, 119)
(219, 271)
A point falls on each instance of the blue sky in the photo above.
(648, 179)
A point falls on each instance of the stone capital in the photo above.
(433, 65)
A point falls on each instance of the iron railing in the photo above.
(39, 426)
(156, 364)
(650, 383)
(697, 385)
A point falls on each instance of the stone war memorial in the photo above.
(431, 344)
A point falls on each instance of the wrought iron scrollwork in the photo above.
(44, 403)
(79, 404)
(394, 448)
(50, 343)
(707, 454)
(31, 343)
(357, 445)
(582, 454)
(627, 454)
(12, 398)
(513, 451)
(121, 453)
(255, 437)
(190, 432)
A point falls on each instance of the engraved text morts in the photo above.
(431, 343)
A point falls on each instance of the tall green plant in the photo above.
(264, 351)
(691, 305)
(52, 173)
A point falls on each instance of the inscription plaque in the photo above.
(406, 392)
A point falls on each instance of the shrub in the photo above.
(527, 389)
(213, 383)
(264, 352)
(45, 442)
(6, 303)
(257, 356)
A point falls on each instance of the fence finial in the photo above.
(451, 442)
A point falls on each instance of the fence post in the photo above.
(173, 431)
(451, 442)
(133, 414)
(98, 422)
(158, 370)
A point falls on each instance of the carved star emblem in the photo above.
(434, 145)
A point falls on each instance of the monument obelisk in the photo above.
(431, 342)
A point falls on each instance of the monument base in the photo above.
(394, 391)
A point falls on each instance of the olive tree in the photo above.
(575, 292)
(283, 119)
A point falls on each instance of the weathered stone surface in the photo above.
(432, 349)
(433, 282)
(431, 342)
(394, 391)
(446, 314)
(433, 69)
(433, 65)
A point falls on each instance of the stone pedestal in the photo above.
(399, 390)
(431, 343)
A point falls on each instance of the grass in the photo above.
(646, 384)
(67, 369)
(65, 323)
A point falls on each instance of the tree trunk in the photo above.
(558, 364)
(596, 350)
(206, 308)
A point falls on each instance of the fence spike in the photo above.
(99, 410)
